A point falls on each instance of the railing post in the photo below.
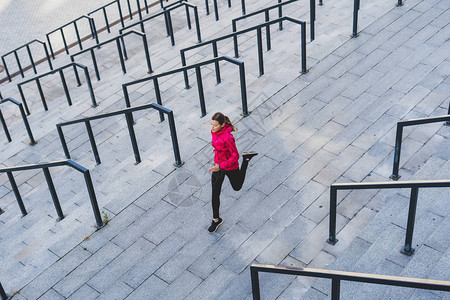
(50, 45)
(6, 69)
(188, 17)
(124, 49)
(303, 46)
(260, 51)
(355, 17)
(93, 198)
(77, 33)
(66, 90)
(31, 59)
(27, 125)
(147, 54)
(129, 10)
(216, 64)
(97, 73)
(89, 84)
(235, 40)
(18, 64)
(333, 206)
(119, 50)
(185, 74)
(267, 18)
(48, 57)
(120, 13)
(243, 89)
(106, 20)
(64, 40)
(207, 7)
(312, 16)
(216, 10)
(173, 134)
(201, 95)
(229, 3)
(397, 151)
(408, 250)
(335, 289)
(197, 25)
(129, 118)
(280, 14)
(63, 142)
(399, 3)
(22, 96)
(5, 128)
(92, 141)
(2, 292)
(166, 21)
(158, 97)
(75, 71)
(172, 35)
(93, 30)
(51, 187)
(255, 283)
(41, 93)
(16, 193)
(243, 7)
(126, 96)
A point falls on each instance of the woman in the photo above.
(225, 162)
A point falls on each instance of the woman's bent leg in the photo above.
(216, 182)
(237, 177)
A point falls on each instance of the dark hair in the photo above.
(221, 118)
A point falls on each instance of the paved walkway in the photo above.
(333, 124)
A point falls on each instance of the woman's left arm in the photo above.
(231, 145)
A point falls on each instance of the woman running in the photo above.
(226, 162)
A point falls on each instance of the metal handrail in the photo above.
(117, 39)
(27, 46)
(216, 9)
(356, 6)
(24, 118)
(2, 291)
(74, 65)
(103, 8)
(45, 167)
(399, 134)
(74, 22)
(259, 40)
(413, 185)
(196, 66)
(168, 21)
(128, 114)
(266, 11)
(338, 276)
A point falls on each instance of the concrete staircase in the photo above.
(332, 124)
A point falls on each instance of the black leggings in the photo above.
(236, 178)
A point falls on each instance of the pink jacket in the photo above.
(225, 151)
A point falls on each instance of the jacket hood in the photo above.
(226, 129)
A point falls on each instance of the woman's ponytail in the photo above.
(221, 118)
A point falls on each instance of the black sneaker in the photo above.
(248, 155)
(215, 225)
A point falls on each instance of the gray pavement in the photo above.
(334, 124)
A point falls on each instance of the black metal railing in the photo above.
(258, 29)
(168, 20)
(338, 276)
(30, 56)
(63, 80)
(413, 185)
(105, 15)
(74, 22)
(356, 6)
(45, 167)
(128, 115)
(24, 118)
(399, 137)
(279, 7)
(196, 66)
(122, 57)
(216, 7)
(2, 291)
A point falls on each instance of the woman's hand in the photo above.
(216, 168)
